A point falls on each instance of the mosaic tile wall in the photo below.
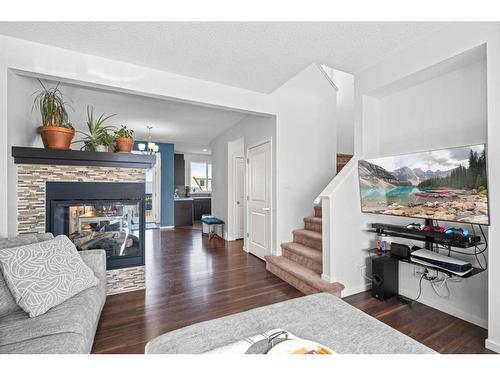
(31, 179)
(125, 280)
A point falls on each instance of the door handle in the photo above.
(266, 209)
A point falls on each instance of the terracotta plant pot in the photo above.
(57, 137)
(124, 144)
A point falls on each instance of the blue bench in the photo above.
(212, 223)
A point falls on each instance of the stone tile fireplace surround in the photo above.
(31, 180)
(36, 167)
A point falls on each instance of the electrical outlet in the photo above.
(418, 271)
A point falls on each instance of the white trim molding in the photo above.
(491, 345)
(448, 309)
(323, 69)
(355, 290)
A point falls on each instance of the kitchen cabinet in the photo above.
(201, 206)
(183, 212)
(179, 170)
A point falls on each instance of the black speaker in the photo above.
(385, 277)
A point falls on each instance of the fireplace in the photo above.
(100, 215)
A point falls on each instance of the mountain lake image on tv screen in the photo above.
(448, 185)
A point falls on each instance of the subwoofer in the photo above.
(385, 277)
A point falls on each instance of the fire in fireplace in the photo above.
(107, 216)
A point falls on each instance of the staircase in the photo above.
(342, 160)
(300, 264)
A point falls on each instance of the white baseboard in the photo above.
(441, 307)
(492, 345)
(448, 309)
(167, 227)
(356, 289)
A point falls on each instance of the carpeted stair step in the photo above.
(303, 255)
(308, 238)
(301, 278)
(317, 210)
(313, 223)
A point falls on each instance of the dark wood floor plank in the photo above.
(190, 279)
(435, 329)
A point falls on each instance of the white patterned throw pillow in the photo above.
(45, 274)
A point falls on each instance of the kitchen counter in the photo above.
(191, 198)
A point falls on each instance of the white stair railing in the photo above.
(327, 198)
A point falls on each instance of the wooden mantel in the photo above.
(34, 155)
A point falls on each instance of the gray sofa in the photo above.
(67, 328)
(321, 317)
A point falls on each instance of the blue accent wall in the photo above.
(167, 182)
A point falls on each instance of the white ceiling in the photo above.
(250, 55)
(190, 127)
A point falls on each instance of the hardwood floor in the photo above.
(190, 279)
(442, 332)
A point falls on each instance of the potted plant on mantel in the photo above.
(56, 131)
(124, 139)
(98, 137)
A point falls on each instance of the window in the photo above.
(201, 176)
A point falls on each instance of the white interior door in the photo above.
(239, 197)
(259, 200)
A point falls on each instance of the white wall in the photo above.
(447, 111)
(252, 129)
(345, 111)
(92, 71)
(304, 107)
(452, 109)
(22, 130)
(306, 146)
(172, 121)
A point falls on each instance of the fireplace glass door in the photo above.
(113, 226)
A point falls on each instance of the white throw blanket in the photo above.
(241, 346)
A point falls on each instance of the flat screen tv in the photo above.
(448, 185)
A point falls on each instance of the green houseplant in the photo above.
(98, 137)
(124, 139)
(56, 130)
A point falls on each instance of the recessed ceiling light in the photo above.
(205, 150)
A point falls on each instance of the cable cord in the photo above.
(486, 246)
(433, 280)
(443, 281)
(449, 249)
(477, 250)
(419, 289)
(434, 288)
